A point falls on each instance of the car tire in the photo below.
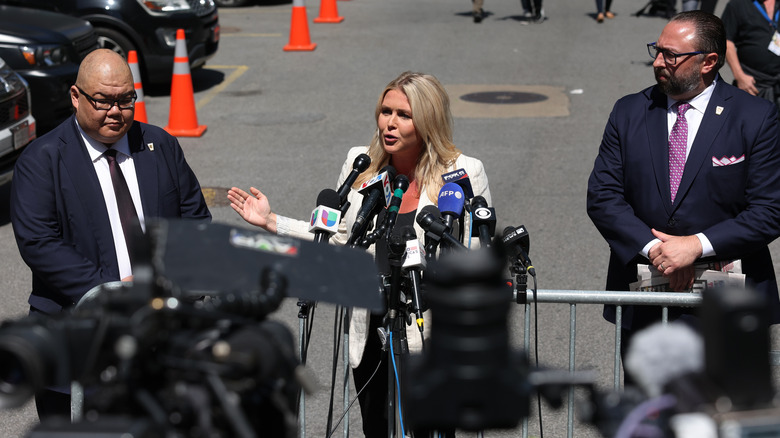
(231, 3)
(113, 40)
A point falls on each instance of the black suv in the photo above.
(146, 26)
(45, 48)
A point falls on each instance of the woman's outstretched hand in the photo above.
(254, 208)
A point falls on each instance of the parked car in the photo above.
(239, 3)
(232, 3)
(146, 26)
(17, 124)
(45, 48)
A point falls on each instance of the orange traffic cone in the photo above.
(299, 30)
(182, 120)
(328, 12)
(140, 105)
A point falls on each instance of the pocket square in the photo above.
(725, 161)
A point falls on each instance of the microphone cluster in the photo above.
(443, 228)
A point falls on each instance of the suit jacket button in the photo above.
(672, 222)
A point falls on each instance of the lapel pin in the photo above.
(718, 110)
(151, 145)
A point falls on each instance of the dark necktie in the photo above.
(131, 226)
(678, 144)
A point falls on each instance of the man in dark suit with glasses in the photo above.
(81, 194)
(687, 172)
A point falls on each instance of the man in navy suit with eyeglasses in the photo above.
(82, 193)
(688, 171)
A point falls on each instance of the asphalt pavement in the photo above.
(283, 122)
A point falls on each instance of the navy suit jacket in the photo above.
(736, 206)
(59, 215)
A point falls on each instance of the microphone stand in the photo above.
(520, 274)
(395, 324)
(304, 309)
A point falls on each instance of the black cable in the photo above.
(337, 337)
(355, 399)
(536, 353)
(308, 329)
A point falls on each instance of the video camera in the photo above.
(180, 353)
(714, 380)
(468, 377)
(167, 366)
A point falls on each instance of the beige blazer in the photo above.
(360, 317)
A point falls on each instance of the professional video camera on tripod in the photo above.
(186, 351)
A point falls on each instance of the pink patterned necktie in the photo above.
(678, 143)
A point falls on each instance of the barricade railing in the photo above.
(617, 298)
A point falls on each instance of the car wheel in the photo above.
(231, 3)
(113, 40)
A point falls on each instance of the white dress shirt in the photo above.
(96, 152)
(693, 117)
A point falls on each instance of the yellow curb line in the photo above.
(239, 70)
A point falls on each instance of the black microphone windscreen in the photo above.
(408, 233)
(329, 198)
(479, 202)
(396, 245)
(429, 210)
(401, 182)
(391, 172)
(361, 163)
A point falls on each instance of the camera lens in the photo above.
(16, 385)
(25, 363)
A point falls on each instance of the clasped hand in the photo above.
(674, 258)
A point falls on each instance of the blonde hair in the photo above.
(432, 119)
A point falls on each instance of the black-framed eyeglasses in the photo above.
(669, 56)
(123, 103)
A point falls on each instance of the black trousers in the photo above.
(373, 399)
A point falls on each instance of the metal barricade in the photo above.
(617, 298)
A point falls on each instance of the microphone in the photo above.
(359, 166)
(414, 263)
(451, 201)
(396, 246)
(661, 353)
(431, 241)
(461, 178)
(373, 190)
(484, 218)
(517, 242)
(400, 185)
(429, 220)
(326, 216)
